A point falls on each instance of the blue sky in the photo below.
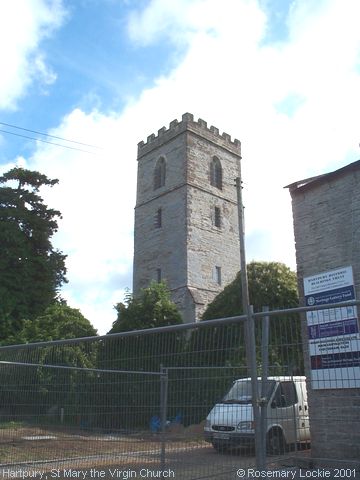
(280, 75)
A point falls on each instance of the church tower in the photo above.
(186, 219)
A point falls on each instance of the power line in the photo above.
(50, 143)
(47, 135)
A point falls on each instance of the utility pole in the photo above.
(250, 333)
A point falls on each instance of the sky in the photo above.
(282, 76)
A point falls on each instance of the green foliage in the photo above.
(11, 425)
(34, 390)
(58, 322)
(32, 271)
(151, 308)
(271, 284)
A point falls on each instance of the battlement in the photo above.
(188, 123)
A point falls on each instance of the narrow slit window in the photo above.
(158, 218)
(217, 217)
(217, 273)
(158, 275)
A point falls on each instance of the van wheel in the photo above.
(275, 442)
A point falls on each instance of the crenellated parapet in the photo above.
(198, 127)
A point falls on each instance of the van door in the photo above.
(283, 411)
(303, 432)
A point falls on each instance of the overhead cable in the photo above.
(48, 135)
(50, 143)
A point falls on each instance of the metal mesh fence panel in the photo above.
(163, 403)
(133, 402)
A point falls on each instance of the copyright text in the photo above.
(317, 473)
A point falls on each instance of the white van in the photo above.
(231, 421)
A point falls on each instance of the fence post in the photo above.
(264, 376)
(163, 412)
(250, 329)
(252, 367)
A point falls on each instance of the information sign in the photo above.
(334, 337)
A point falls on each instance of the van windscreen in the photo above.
(241, 391)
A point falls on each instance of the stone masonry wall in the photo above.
(188, 246)
(164, 247)
(327, 235)
(209, 246)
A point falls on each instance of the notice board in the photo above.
(334, 338)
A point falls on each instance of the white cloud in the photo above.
(182, 21)
(231, 77)
(39, 68)
(234, 80)
(23, 24)
(96, 197)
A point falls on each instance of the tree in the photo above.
(59, 321)
(271, 284)
(38, 389)
(32, 271)
(151, 308)
(140, 400)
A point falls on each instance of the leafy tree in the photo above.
(31, 391)
(271, 284)
(32, 271)
(133, 406)
(58, 322)
(151, 308)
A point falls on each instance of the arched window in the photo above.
(159, 173)
(216, 173)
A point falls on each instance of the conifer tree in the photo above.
(31, 269)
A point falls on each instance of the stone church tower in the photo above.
(186, 218)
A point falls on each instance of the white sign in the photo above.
(334, 336)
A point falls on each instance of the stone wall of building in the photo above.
(327, 234)
(189, 246)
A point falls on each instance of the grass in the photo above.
(11, 425)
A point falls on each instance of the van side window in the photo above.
(285, 395)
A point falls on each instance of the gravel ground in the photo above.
(46, 454)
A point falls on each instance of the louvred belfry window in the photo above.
(216, 173)
(159, 173)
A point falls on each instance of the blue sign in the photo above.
(335, 360)
(334, 338)
(333, 296)
(333, 329)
